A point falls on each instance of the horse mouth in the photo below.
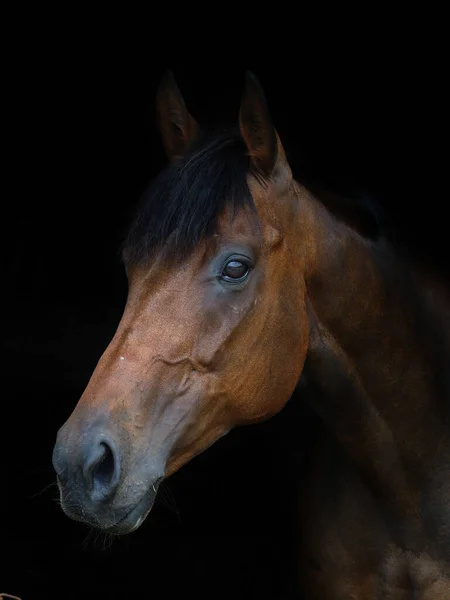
(134, 518)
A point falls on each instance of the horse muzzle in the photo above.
(99, 484)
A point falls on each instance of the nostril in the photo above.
(101, 471)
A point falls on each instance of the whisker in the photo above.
(110, 539)
(88, 538)
(168, 500)
(52, 484)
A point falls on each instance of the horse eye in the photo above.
(235, 271)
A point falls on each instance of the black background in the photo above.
(363, 112)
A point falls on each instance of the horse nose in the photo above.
(94, 464)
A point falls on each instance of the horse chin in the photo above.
(134, 518)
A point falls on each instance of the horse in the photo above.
(241, 282)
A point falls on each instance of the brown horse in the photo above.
(240, 279)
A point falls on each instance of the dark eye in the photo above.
(235, 271)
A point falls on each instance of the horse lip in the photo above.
(137, 514)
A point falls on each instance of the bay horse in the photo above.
(241, 281)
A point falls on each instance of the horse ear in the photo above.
(256, 126)
(178, 128)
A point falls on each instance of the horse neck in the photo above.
(377, 354)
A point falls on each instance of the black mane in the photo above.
(184, 202)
